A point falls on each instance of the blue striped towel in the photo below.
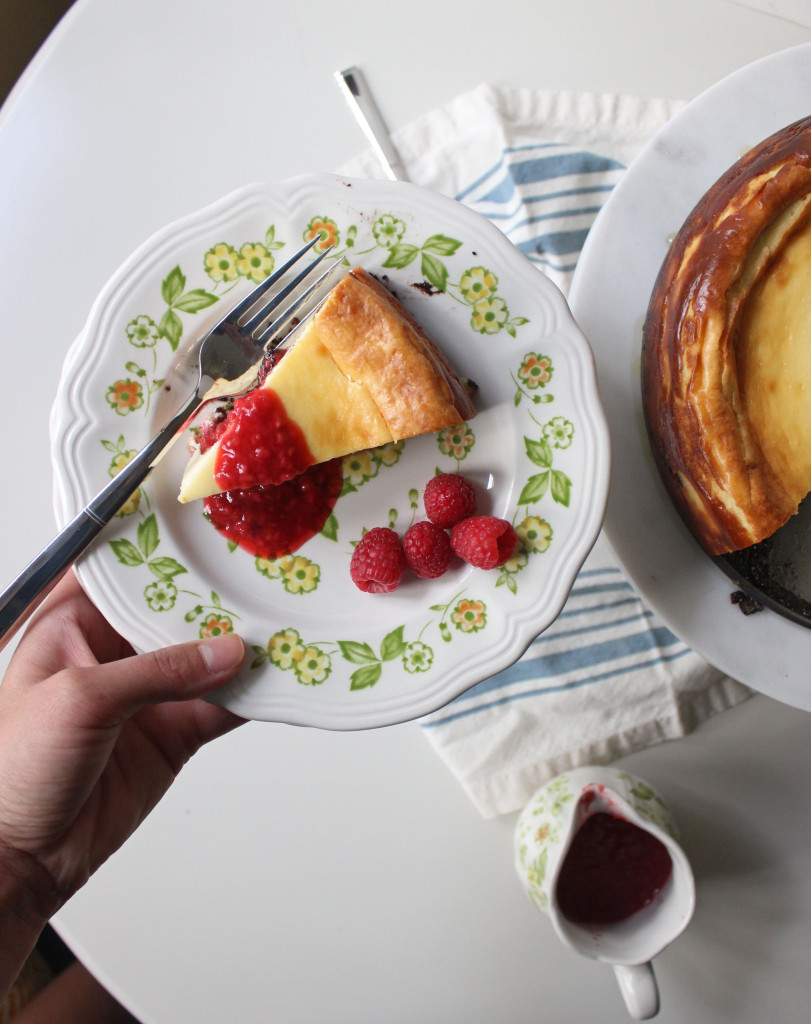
(608, 677)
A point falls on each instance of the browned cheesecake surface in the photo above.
(726, 362)
(361, 373)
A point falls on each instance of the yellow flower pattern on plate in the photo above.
(224, 265)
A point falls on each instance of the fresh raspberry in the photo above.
(448, 499)
(427, 550)
(484, 541)
(378, 562)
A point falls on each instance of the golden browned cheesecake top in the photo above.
(361, 373)
(724, 360)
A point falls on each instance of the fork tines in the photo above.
(269, 330)
(254, 296)
(260, 312)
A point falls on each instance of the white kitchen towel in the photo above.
(607, 677)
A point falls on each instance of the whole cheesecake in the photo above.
(360, 373)
(726, 358)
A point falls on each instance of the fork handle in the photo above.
(41, 575)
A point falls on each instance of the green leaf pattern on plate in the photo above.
(476, 287)
(312, 662)
(163, 593)
(543, 450)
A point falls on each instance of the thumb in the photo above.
(116, 690)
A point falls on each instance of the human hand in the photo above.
(91, 737)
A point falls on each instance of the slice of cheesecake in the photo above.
(361, 373)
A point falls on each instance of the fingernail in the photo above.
(222, 652)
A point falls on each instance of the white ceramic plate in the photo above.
(323, 653)
(610, 294)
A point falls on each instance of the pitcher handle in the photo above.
(639, 990)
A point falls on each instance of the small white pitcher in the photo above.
(543, 837)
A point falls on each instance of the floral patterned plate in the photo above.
(321, 652)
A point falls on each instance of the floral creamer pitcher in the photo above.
(595, 849)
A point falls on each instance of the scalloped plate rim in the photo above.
(522, 626)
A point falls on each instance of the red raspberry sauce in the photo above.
(260, 444)
(271, 520)
(612, 870)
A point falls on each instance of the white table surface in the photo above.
(295, 875)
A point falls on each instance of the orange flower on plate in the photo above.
(325, 230)
(469, 616)
(216, 625)
(536, 370)
(456, 441)
(125, 396)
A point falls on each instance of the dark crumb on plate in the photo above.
(385, 280)
(425, 286)
(748, 605)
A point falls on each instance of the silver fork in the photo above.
(232, 351)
